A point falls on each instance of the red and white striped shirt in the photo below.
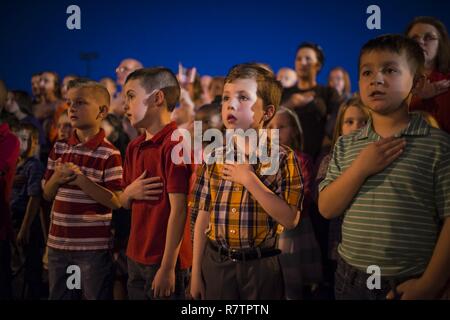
(78, 222)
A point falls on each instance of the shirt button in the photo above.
(232, 231)
(233, 210)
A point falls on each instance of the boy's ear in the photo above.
(159, 97)
(103, 111)
(269, 112)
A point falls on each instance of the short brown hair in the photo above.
(93, 86)
(159, 78)
(399, 44)
(443, 53)
(268, 87)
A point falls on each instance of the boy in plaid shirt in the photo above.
(239, 207)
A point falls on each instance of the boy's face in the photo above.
(385, 81)
(85, 110)
(306, 63)
(241, 107)
(138, 104)
(24, 139)
(47, 83)
(35, 85)
(287, 77)
(64, 127)
(11, 105)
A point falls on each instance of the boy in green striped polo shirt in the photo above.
(391, 180)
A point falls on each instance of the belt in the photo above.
(244, 254)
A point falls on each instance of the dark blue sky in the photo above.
(212, 35)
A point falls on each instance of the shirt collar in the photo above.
(92, 143)
(159, 136)
(417, 126)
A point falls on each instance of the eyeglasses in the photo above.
(122, 69)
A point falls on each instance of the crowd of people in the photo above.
(88, 179)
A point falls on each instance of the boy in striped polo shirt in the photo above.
(391, 179)
(83, 175)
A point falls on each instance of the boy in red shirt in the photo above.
(158, 204)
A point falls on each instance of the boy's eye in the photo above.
(225, 98)
(244, 98)
(390, 70)
(366, 73)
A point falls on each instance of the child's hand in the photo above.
(426, 89)
(62, 173)
(77, 171)
(145, 188)
(163, 284)
(237, 173)
(197, 287)
(412, 289)
(378, 155)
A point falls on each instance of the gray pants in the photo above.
(96, 274)
(140, 278)
(225, 279)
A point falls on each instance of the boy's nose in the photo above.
(377, 78)
(231, 104)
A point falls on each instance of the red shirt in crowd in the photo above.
(438, 106)
(10, 151)
(149, 219)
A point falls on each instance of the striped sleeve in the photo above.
(334, 169)
(292, 187)
(442, 186)
(52, 157)
(200, 196)
(113, 172)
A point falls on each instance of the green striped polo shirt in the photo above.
(394, 220)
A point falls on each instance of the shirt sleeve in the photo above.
(126, 169)
(177, 175)
(292, 188)
(113, 172)
(200, 195)
(52, 157)
(442, 186)
(35, 173)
